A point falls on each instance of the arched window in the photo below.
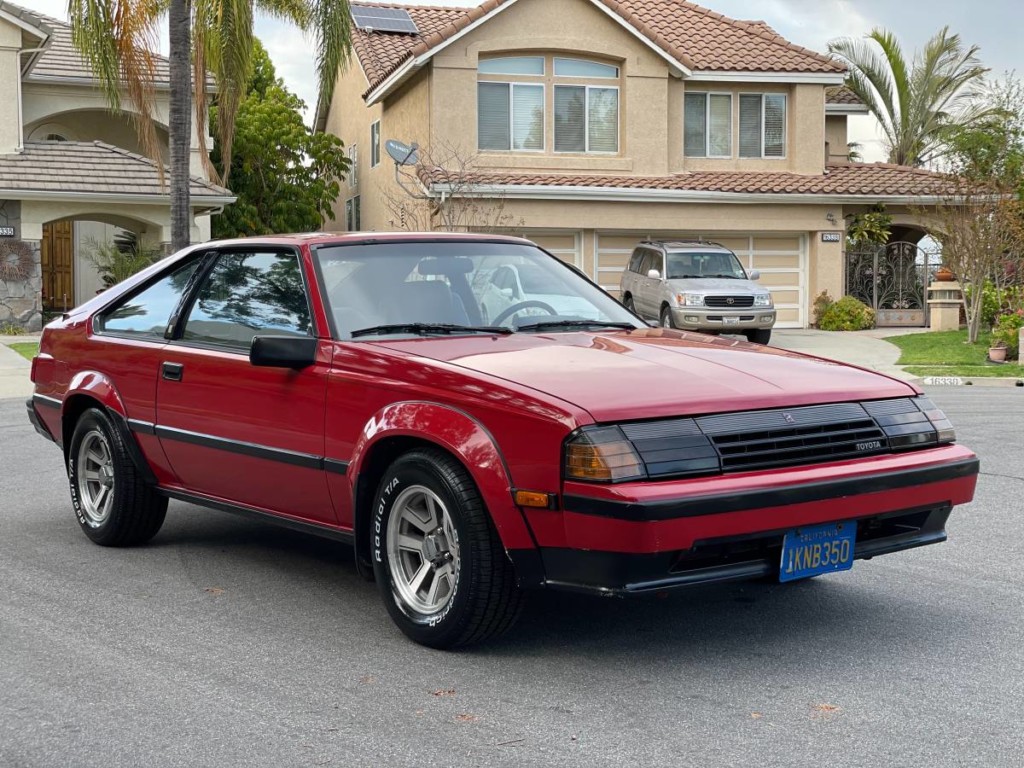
(515, 94)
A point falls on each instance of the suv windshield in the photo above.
(688, 264)
(414, 288)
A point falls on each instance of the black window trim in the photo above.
(180, 314)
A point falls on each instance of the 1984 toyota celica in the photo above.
(349, 386)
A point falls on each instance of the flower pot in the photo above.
(997, 354)
(944, 275)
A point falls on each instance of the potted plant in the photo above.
(944, 274)
(997, 352)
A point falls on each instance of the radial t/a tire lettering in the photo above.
(439, 564)
(114, 506)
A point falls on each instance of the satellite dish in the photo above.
(402, 154)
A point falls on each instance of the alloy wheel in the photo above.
(423, 550)
(95, 478)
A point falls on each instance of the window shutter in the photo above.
(695, 129)
(570, 119)
(528, 117)
(750, 125)
(774, 125)
(604, 120)
(493, 116)
(720, 126)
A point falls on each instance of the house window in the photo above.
(353, 168)
(762, 125)
(510, 116)
(375, 144)
(352, 217)
(586, 118)
(513, 103)
(708, 125)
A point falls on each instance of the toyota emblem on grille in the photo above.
(789, 418)
(730, 301)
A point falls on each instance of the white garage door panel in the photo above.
(568, 246)
(781, 259)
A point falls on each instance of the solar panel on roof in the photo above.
(384, 20)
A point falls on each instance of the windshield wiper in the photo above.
(726, 277)
(547, 324)
(429, 329)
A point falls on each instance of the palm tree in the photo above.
(915, 102)
(116, 37)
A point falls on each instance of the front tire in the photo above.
(760, 336)
(114, 505)
(666, 318)
(628, 304)
(438, 561)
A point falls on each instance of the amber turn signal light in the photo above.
(533, 499)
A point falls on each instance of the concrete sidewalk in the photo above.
(14, 369)
(868, 349)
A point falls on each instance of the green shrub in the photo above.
(1007, 331)
(120, 259)
(847, 314)
(995, 301)
(821, 303)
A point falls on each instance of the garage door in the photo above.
(780, 257)
(568, 246)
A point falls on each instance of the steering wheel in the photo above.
(507, 313)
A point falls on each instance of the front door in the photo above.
(233, 431)
(58, 259)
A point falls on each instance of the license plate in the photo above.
(817, 549)
(730, 320)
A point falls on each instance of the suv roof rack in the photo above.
(701, 241)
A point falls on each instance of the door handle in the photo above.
(172, 371)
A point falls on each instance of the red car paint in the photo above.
(503, 405)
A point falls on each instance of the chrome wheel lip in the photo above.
(423, 551)
(95, 478)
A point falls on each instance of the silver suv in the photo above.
(697, 286)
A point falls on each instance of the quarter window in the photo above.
(708, 125)
(148, 312)
(762, 125)
(248, 293)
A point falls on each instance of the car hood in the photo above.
(653, 373)
(716, 285)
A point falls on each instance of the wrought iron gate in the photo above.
(893, 280)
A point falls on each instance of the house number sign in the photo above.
(6, 231)
(831, 237)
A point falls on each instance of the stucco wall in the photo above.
(10, 74)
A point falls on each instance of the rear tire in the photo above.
(628, 304)
(113, 503)
(761, 336)
(439, 563)
(666, 318)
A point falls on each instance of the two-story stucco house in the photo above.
(596, 123)
(71, 171)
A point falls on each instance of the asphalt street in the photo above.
(230, 643)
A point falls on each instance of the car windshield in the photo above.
(411, 288)
(687, 264)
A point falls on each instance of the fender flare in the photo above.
(467, 440)
(98, 387)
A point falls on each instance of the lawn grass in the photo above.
(948, 354)
(26, 349)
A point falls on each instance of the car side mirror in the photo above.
(754, 275)
(654, 274)
(283, 351)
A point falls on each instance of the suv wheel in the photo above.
(439, 564)
(628, 303)
(760, 336)
(666, 318)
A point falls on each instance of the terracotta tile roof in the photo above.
(840, 94)
(95, 168)
(697, 38)
(854, 179)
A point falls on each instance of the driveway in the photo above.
(14, 369)
(867, 349)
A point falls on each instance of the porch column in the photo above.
(826, 269)
(21, 276)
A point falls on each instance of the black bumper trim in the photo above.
(716, 504)
(37, 423)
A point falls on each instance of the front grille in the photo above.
(751, 440)
(729, 302)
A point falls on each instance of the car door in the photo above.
(650, 288)
(246, 434)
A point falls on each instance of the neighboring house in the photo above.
(71, 171)
(595, 123)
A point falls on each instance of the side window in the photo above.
(658, 263)
(635, 259)
(249, 293)
(148, 312)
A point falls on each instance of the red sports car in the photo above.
(385, 390)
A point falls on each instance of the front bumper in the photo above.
(723, 320)
(649, 536)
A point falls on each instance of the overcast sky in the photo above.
(995, 25)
